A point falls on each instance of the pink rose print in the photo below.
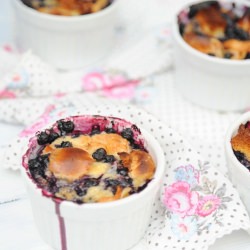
(180, 199)
(93, 81)
(7, 94)
(113, 86)
(208, 205)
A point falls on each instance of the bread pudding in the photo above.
(89, 159)
(241, 145)
(69, 7)
(217, 29)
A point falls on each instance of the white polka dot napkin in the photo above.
(197, 204)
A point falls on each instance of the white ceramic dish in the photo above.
(215, 83)
(238, 173)
(111, 225)
(65, 42)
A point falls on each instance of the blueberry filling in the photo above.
(100, 154)
(95, 130)
(82, 187)
(122, 171)
(115, 177)
(52, 184)
(38, 165)
(112, 184)
(109, 159)
(110, 131)
(126, 182)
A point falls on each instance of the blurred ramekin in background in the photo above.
(238, 173)
(65, 42)
(215, 83)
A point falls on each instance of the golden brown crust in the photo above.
(69, 163)
(211, 22)
(204, 44)
(237, 48)
(241, 141)
(140, 164)
(113, 143)
(244, 22)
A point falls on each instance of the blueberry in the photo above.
(143, 186)
(127, 133)
(111, 182)
(43, 138)
(241, 34)
(110, 130)
(80, 191)
(43, 159)
(36, 168)
(99, 154)
(197, 7)
(34, 164)
(53, 188)
(66, 126)
(242, 159)
(126, 182)
(137, 146)
(181, 28)
(109, 158)
(64, 144)
(228, 55)
(211, 54)
(95, 130)
(91, 182)
(122, 171)
(53, 136)
(247, 56)
(234, 32)
(82, 188)
(228, 19)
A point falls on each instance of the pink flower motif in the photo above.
(93, 81)
(208, 205)
(8, 48)
(180, 199)
(124, 88)
(113, 86)
(7, 94)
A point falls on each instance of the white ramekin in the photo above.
(116, 225)
(215, 83)
(238, 173)
(65, 42)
